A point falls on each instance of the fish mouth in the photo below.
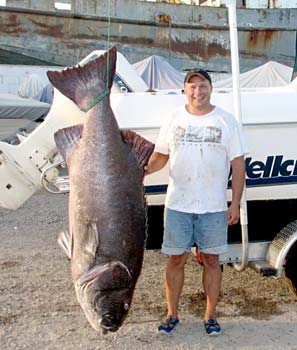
(107, 324)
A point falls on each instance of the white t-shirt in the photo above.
(200, 148)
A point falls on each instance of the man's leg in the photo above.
(174, 281)
(178, 240)
(212, 278)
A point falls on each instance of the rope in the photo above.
(108, 44)
(105, 93)
(98, 99)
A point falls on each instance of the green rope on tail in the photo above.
(105, 93)
(98, 99)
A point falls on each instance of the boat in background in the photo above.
(270, 126)
(269, 114)
(18, 113)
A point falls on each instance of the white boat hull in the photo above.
(269, 123)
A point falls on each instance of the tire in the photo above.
(291, 269)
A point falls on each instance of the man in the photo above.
(200, 141)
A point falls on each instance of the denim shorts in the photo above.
(182, 230)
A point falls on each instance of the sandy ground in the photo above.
(38, 307)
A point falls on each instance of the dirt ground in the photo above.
(39, 310)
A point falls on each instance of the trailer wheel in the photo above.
(291, 269)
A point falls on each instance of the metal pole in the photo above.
(294, 73)
(237, 113)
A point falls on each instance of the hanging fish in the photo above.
(107, 208)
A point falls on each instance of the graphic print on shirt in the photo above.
(197, 134)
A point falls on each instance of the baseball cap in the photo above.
(199, 72)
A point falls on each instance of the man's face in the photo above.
(198, 91)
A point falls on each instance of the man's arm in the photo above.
(238, 178)
(156, 162)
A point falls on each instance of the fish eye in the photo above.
(126, 306)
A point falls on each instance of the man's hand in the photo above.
(156, 162)
(238, 178)
(233, 214)
(146, 170)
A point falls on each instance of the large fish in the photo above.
(107, 210)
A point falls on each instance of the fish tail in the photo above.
(86, 85)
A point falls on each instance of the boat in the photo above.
(269, 123)
(19, 113)
(269, 114)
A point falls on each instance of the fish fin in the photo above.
(66, 138)
(64, 241)
(92, 242)
(113, 275)
(141, 147)
(83, 84)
